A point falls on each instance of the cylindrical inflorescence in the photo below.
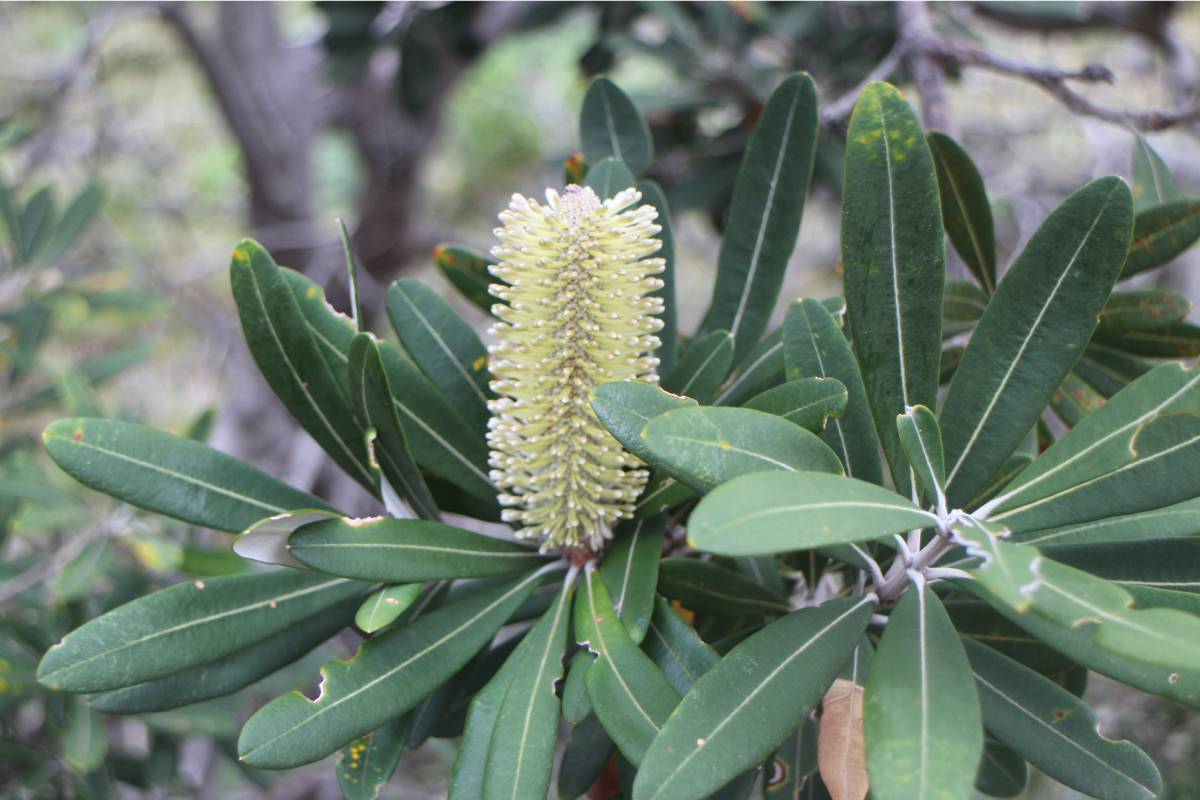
(577, 313)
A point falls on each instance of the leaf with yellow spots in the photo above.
(366, 764)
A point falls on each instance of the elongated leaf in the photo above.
(84, 742)
(521, 754)
(676, 647)
(366, 765)
(652, 194)
(630, 571)
(1140, 310)
(1153, 183)
(921, 440)
(626, 406)
(608, 177)
(779, 512)
(1172, 340)
(704, 447)
(764, 214)
(1002, 772)
(630, 695)
(702, 367)
(286, 353)
(232, 672)
(576, 705)
(1057, 733)
(1163, 563)
(169, 474)
(963, 303)
(390, 675)
(1180, 519)
(38, 220)
(406, 550)
(924, 734)
(384, 606)
(807, 402)
(610, 126)
(372, 402)
(711, 588)
(894, 252)
(1108, 370)
(76, 219)
(586, 755)
(814, 346)
(1132, 454)
(185, 625)
(443, 345)
(793, 763)
(1074, 399)
(977, 620)
(1160, 233)
(965, 210)
(1038, 322)
(468, 272)
(743, 708)
(759, 370)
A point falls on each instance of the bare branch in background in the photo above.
(912, 19)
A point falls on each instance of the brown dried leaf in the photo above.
(841, 750)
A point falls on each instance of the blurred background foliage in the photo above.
(138, 142)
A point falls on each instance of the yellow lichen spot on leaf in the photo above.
(479, 363)
(312, 292)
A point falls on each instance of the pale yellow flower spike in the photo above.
(578, 315)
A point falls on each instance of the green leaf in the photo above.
(366, 764)
(779, 512)
(764, 214)
(231, 672)
(963, 303)
(793, 762)
(470, 765)
(1002, 773)
(384, 606)
(1173, 340)
(630, 695)
(624, 407)
(1038, 322)
(676, 648)
(610, 126)
(1153, 184)
(630, 571)
(288, 357)
(608, 177)
(76, 219)
(372, 401)
(807, 402)
(1180, 519)
(1108, 370)
(814, 346)
(965, 211)
(169, 474)
(1074, 399)
(742, 709)
(188, 624)
(391, 674)
(586, 755)
(704, 447)
(1056, 732)
(894, 252)
(1133, 454)
(84, 741)
(921, 439)
(923, 729)
(1141, 310)
(759, 370)
(1163, 563)
(266, 540)
(38, 221)
(443, 345)
(652, 194)
(976, 619)
(576, 705)
(467, 271)
(406, 550)
(710, 588)
(1160, 233)
(702, 367)
(521, 755)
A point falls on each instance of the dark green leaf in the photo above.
(366, 764)
(443, 345)
(1002, 773)
(793, 762)
(624, 407)
(965, 210)
(652, 194)
(704, 447)
(702, 367)
(608, 177)
(924, 735)
(468, 272)
(390, 675)
(610, 126)
(764, 214)
(188, 624)
(1153, 183)
(676, 647)
(384, 606)
(406, 550)
(977, 620)
(1108, 370)
(1180, 519)
(779, 512)
(1164, 563)
(707, 587)
(630, 571)
(1141, 310)
(759, 370)
(894, 252)
(584, 759)
(921, 440)
(1038, 322)
(807, 402)
(814, 346)
(76, 219)
(1160, 233)
(1173, 340)
(742, 709)
(1074, 399)
(963, 303)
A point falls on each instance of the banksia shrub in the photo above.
(905, 525)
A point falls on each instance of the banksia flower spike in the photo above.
(576, 313)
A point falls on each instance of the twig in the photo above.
(912, 20)
(836, 111)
